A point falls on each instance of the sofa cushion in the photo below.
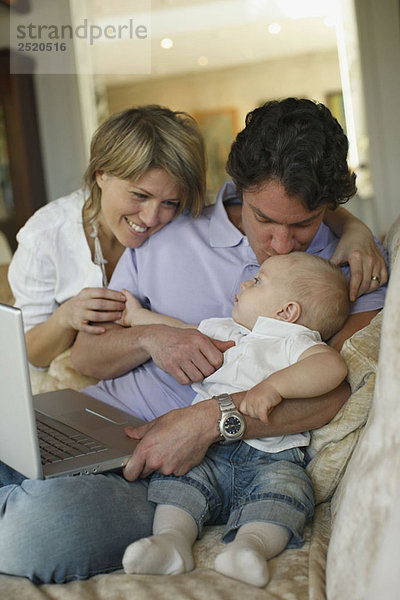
(367, 497)
(332, 445)
(60, 375)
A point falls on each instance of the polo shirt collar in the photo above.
(222, 233)
(320, 240)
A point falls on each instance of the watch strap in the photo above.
(225, 402)
(228, 409)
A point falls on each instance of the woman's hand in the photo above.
(84, 312)
(91, 307)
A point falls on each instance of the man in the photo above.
(289, 165)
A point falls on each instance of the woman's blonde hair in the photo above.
(130, 142)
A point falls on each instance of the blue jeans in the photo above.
(236, 484)
(68, 528)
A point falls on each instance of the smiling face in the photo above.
(133, 211)
(266, 295)
(276, 223)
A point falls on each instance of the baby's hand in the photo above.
(259, 401)
(132, 305)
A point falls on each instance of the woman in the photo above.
(147, 165)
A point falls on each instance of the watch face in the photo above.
(232, 425)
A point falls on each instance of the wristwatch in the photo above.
(232, 424)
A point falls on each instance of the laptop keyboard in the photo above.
(59, 442)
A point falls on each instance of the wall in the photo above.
(4, 26)
(379, 40)
(61, 125)
(61, 121)
(61, 131)
(67, 117)
(310, 75)
(229, 94)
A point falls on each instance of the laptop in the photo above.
(63, 432)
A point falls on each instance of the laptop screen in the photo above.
(18, 439)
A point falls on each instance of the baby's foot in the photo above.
(163, 554)
(243, 563)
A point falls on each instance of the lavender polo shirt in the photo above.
(191, 269)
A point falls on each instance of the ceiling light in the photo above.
(203, 61)
(166, 43)
(305, 9)
(274, 28)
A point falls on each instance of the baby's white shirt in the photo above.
(270, 346)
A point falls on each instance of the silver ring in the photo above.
(375, 278)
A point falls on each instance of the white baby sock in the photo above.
(169, 550)
(246, 557)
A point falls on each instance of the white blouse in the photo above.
(53, 260)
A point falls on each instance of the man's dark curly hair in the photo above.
(298, 143)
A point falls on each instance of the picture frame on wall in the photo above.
(334, 101)
(219, 128)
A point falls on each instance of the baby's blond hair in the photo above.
(321, 289)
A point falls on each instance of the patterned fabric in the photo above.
(367, 497)
(331, 446)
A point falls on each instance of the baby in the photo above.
(257, 487)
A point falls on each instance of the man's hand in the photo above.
(365, 261)
(186, 354)
(175, 442)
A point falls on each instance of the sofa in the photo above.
(350, 550)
